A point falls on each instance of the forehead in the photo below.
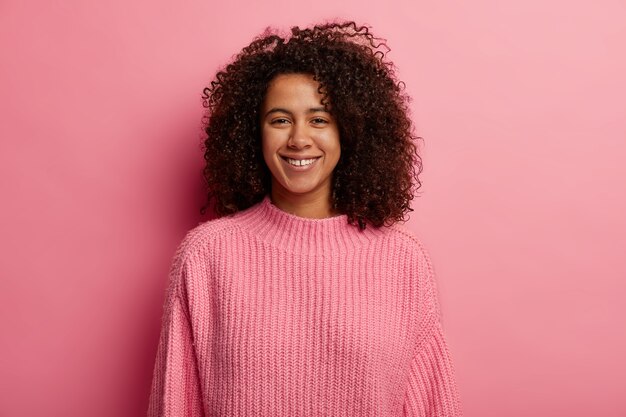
(293, 88)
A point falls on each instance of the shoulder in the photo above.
(423, 270)
(406, 247)
(199, 240)
(195, 250)
(420, 263)
(410, 240)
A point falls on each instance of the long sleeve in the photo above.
(176, 389)
(432, 388)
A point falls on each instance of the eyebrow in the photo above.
(280, 110)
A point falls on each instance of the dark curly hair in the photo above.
(373, 179)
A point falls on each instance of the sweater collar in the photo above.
(301, 234)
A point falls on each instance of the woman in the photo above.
(305, 297)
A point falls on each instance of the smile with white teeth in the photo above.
(300, 162)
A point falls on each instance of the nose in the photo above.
(299, 137)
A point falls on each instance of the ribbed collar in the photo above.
(322, 237)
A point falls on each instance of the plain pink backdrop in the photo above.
(523, 112)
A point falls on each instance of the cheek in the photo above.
(267, 141)
(264, 148)
(333, 145)
(270, 144)
(272, 138)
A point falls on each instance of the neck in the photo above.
(326, 236)
(307, 206)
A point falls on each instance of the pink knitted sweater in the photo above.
(271, 314)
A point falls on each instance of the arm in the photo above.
(431, 389)
(175, 386)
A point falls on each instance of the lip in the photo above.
(300, 168)
(300, 157)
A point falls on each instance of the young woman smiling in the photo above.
(306, 296)
(300, 141)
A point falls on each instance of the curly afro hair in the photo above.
(377, 173)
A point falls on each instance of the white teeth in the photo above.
(300, 162)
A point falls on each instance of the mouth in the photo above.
(300, 162)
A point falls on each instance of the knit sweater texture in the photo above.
(272, 314)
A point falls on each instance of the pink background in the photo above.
(522, 107)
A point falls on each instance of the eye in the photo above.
(319, 120)
(280, 121)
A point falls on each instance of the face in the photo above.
(300, 139)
